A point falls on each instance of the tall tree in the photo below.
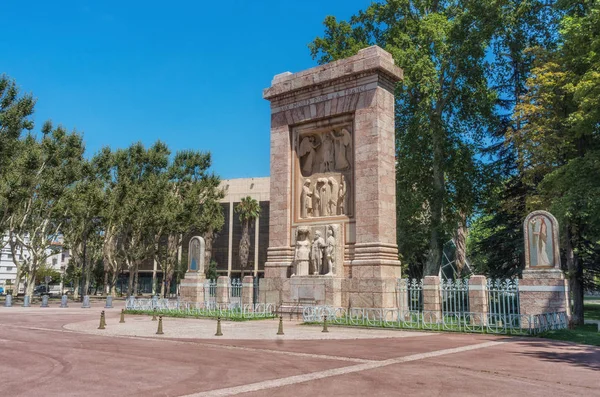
(444, 106)
(45, 170)
(248, 210)
(15, 117)
(559, 144)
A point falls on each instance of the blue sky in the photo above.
(190, 73)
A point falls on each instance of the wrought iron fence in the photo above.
(426, 320)
(235, 292)
(210, 292)
(206, 309)
(410, 294)
(503, 302)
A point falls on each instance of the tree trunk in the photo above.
(30, 284)
(105, 289)
(136, 280)
(208, 243)
(130, 280)
(434, 259)
(76, 288)
(460, 241)
(113, 286)
(575, 280)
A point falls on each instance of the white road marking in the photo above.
(269, 384)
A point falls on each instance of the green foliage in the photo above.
(444, 108)
(211, 270)
(47, 271)
(248, 210)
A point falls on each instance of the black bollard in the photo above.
(102, 321)
(219, 333)
(159, 331)
(122, 316)
(280, 330)
(325, 324)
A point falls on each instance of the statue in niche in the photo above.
(196, 255)
(330, 252)
(324, 195)
(540, 235)
(302, 254)
(333, 196)
(306, 200)
(316, 200)
(343, 141)
(307, 153)
(341, 197)
(317, 253)
(328, 154)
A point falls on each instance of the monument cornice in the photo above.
(369, 61)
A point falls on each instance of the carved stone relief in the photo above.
(325, 163)
(319, 250)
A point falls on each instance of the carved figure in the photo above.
(307, 152)
(343, 141)
(324, 194)
(330, 252)
(341, 197)
(316, 200)
(302, 254)
(333, 196)
(540, 233)
(196, 255)
(328, 154)
(318, 245)
(306, 200)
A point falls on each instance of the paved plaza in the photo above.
(60, 352)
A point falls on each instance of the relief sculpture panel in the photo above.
(325, 159)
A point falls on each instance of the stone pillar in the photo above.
(478, 300)
(347, 105)
(544, 291)
(432, 299)
(544, 288)
(247, 290)
(191, 288)
(222, 290)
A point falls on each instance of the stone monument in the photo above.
(332, 231)
(543, 288)
(192, 286)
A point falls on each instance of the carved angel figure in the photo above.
(307, 153)
(343, 141)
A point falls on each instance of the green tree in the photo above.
(43, 171)
(248, 210)
(558, 143)
(444, 107)
(15, 112)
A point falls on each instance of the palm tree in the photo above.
(249, 209)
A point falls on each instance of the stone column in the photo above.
(544, 288)
(223, 290)
(432, 299)
(478, 300)
(247, 290)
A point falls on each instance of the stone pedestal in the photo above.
(222, 297)
(478, 300)
(544, 291)
(248, 290)
(191, 288)
(323, 290)
(333, 166)
(432, 300)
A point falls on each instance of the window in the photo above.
(54, 261)
(9, 268)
